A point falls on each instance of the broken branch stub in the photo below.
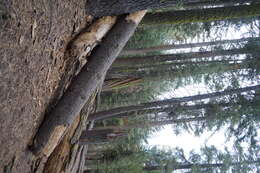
(61, 117)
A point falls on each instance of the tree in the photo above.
(167, 102)
(208, 4)
(202, 15)
(183, 46)
(139, 61)
(208, 160)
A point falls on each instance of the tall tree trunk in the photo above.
(202, 15)
(178, 166)
(138, 61)
(209, 3)
(170, 72)
(152, 124)
(167, 102)
(175, 110)
(61, 117)
(169, 66)
(184, 46)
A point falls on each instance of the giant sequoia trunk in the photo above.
(164, 103)
(202, 15)
(34, 70)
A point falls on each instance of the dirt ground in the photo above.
(33, 69)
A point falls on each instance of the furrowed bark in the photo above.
(61, 117)
(167, 102)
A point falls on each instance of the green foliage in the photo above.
(238, 113)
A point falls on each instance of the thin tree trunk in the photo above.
(171, 73)
(184, 46)
(167, 102)
(152, 124)
(174, 110)
(210, 3)
(172, 65)
(138, 61)
(201, 15)
(61, 117)
(178, 166)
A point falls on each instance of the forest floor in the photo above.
(34, 36)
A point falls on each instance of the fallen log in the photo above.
(61, 117)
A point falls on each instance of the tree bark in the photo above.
(201, 15)
(61, 117)
(184, 46)
(68, 156)
(167, 102)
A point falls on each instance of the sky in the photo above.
(167, 139)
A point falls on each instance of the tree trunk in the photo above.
(61, 117)
(96, 136)
(210, 4)
(168, 102)
(172, 73)
(139, 71)
(184, 46)
(116, 7)
(152, 124)
(201, 15)
(138, 61)
(170, 119)
(69, 156)
(178, 166)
